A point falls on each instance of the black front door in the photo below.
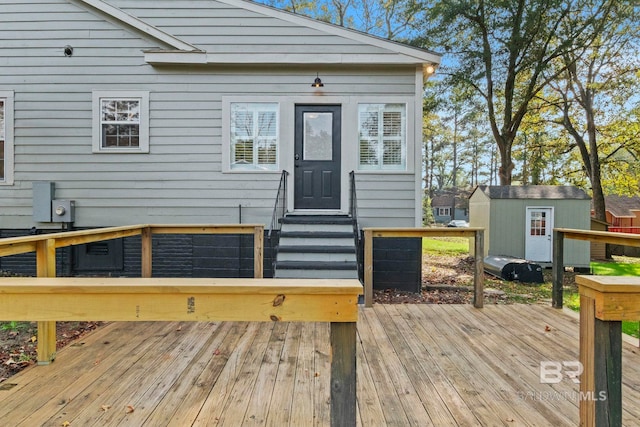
(317, 157)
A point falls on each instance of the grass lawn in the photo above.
(445, 245)
(572, 300)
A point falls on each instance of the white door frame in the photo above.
(538, 239)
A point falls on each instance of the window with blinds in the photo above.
(254, 136)
(382, 136)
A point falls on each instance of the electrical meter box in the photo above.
(43, 194)
(63, 210)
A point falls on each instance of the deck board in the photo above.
(442, 365)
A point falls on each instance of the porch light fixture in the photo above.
(317, 82)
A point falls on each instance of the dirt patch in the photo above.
(448, 279)
(18, 343)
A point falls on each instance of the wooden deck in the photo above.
(417, 365)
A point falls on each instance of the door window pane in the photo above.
(318, 136)
(538, 226)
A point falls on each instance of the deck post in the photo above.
(368, 268)
(601, 359)
(146, 252)
(343, 374)
(46, 267)
(478, 276)
(557, 268)
(258, 252)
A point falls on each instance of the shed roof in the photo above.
(532, 192)
(622, 206)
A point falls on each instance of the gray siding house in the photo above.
(442, 206)
(519, 221)
(189, 111)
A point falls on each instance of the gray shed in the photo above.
(519, 221)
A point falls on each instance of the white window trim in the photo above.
(8, 98)
(413, 133)
(144, 120)
(226, 132)
(404, 148)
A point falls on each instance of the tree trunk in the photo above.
(506, 164)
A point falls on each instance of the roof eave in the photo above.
(201, 57)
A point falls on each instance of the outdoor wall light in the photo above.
(317, 82)
(430, 69)
(68, 50)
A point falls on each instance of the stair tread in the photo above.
(316, 219)
(317, 234)
(315, 265)
(316, 249)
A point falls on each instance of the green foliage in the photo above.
(427, 213)
(13, 325)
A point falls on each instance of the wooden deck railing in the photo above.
(45, 245)
(473, 232)
(560, 234)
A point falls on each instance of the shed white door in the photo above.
(538, 234)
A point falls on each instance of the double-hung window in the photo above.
(121, 122)
(382, 130)
(253, 135)
(6, 137)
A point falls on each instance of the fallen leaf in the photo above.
(547, 328)
(105, 408)
(66, 424)
(509, 420)
(179, 328)
(129, 409)
(216, 352)
(10, 362)
(317, 374)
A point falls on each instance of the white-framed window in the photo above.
(382, 133)
(6, 137)
(120, 122)
(444, 211)
(254, 135)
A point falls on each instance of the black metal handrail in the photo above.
(279, 211)
(353, 213)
